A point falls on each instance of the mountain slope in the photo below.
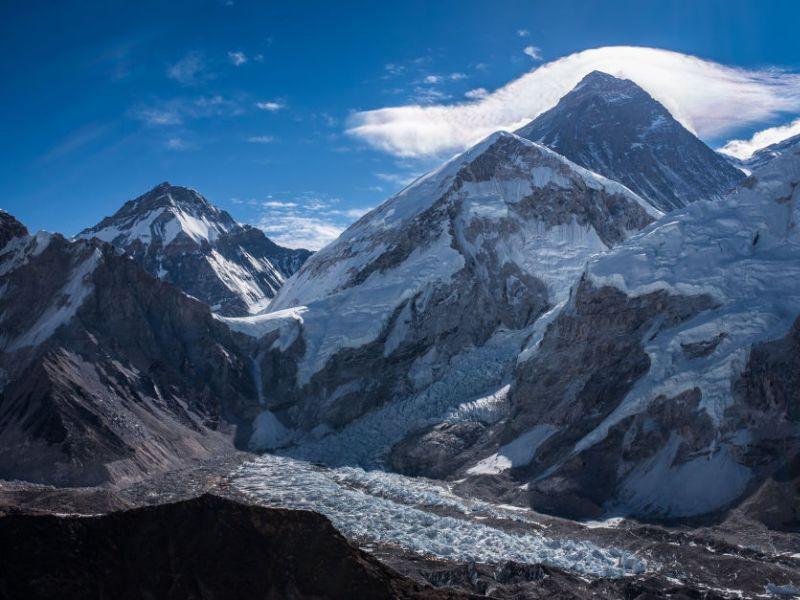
(613, 127)
(178, 236)
(106, 373)
(760, 158)
(426, 300)
(668, 385)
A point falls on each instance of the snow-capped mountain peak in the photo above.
(455, 268)
(160, 216)
(614, 127)
(179, 236)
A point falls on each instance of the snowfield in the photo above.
(377, 507)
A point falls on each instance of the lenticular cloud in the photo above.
(710, 99)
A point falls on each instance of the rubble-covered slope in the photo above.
(106, 373)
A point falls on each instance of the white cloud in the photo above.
(434, 79)
(476, 94)
(189, 70)
(305, 220)
(761, 139)
(428, 95)
(533, 51)
(299, 231)
(157, 116)
(237, 58)
(707, 97)
(523, 33)
(175, 144)
(270, 106)
(260, 139)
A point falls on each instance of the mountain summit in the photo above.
(614, 127)
(180, 237)
(454, 270)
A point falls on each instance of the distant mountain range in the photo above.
(524, 320)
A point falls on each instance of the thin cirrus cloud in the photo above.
(533, 51)
(189, 70)
(271, 106)
(709, 98)
(261, 139)
(306, 220)
(761, 139)
(237, 58)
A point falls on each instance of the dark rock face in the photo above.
(515, 581)
(589, 359)
(10, 228)
(435, 452)
(614, 128)
(208, 547)
(178, 236)
(768, 394)
(109, 374)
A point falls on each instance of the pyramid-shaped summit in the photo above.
(614, 127)
(180, 237)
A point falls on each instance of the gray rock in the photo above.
(613, 127)
(178, 236)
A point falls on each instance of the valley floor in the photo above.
(425, 531)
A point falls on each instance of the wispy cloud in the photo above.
(305, 220)
(523, 33)
(178, 110)
(261, 139)
(176, 143)
(152, 115)
(533, 51)
(434, 79)
(237, 58)
(707, 97)
(476, 94)
(271, 106)
(298, 231)
(189, 70)
(761, 139)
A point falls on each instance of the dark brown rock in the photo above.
(208, 548)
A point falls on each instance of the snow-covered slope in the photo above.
(669, 384)
(613, 127)
(761, 157)
(178, 236)
(466, 258)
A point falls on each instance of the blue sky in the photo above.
(264, 107)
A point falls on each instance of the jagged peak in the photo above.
(10, 228)
(192, 214)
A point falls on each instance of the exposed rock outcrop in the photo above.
(613, 127)
(109, 374)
